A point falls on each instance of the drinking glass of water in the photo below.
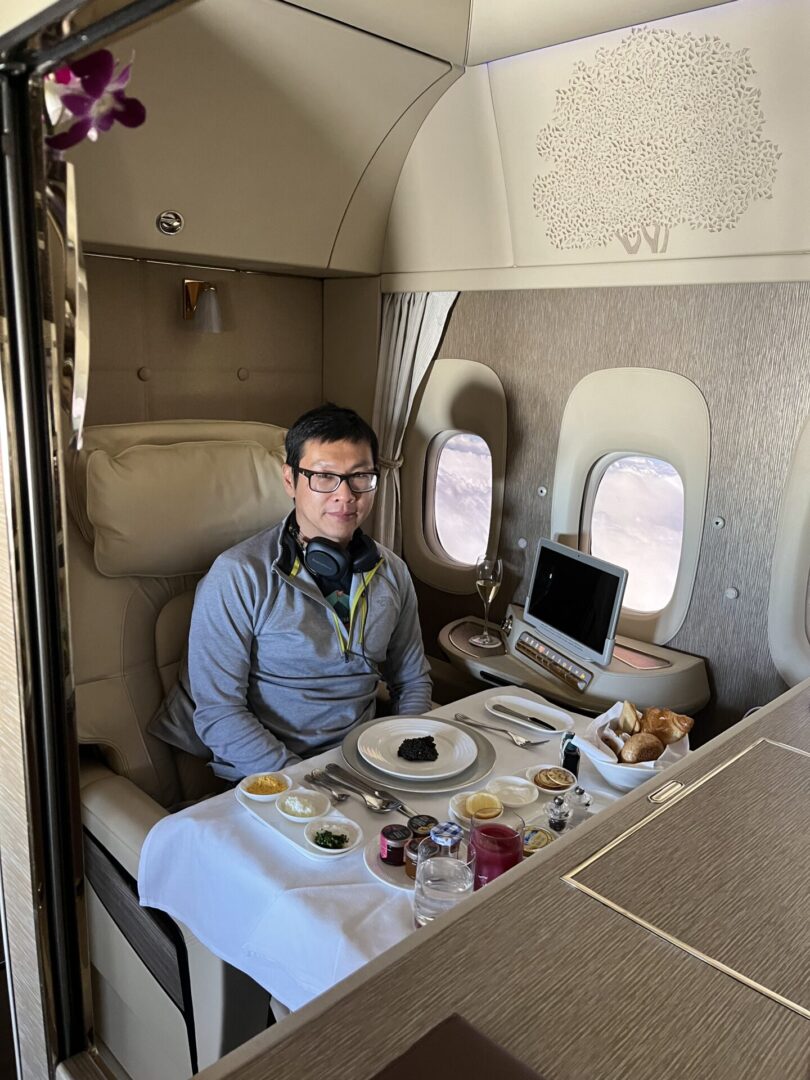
(496, 844)
(441, 881)
(488, 577)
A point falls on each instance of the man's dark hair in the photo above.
(328, 423)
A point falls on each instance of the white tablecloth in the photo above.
(295, 924)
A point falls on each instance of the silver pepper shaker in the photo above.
(559, 813)
(580, 799)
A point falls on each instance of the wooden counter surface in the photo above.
(572, 988)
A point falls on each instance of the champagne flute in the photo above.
(488, 577)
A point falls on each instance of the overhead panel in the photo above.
(359, 243)
(722, 94)
(261, 120)
(450, 207)
(501, 28)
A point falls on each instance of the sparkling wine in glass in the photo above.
(488, 577)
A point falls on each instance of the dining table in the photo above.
(297, 924)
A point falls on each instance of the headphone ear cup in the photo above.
(367, 557)
(326, 559)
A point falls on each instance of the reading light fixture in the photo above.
(201, 305)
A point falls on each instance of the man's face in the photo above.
(335, 515)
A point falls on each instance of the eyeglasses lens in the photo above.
(325, 483)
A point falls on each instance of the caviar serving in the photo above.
(421, 749)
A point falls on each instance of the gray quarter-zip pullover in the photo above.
(273, 672)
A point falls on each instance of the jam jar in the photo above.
(412, 856)
(393, 839)
(421, 824)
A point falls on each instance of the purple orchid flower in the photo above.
(90, 90)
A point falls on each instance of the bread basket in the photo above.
(618, 775)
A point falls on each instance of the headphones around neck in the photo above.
(327, 559)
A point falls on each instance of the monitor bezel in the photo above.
(554, 636)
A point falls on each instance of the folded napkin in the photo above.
(591, 743)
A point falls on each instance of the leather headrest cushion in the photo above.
(163, 511)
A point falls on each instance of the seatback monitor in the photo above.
(574, 601)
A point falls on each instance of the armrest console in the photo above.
(118, 815)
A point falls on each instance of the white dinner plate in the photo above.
(481, 767)
(536, 710)
(394, 876)
(379, 743)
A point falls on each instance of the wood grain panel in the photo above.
(21, 888)
(570, 987)
(745, 348)
(725, 870)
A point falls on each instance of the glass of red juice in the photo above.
(497, 843)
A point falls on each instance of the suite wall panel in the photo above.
(745, 348)
(147, 363)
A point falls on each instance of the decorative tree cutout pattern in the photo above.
(658, 132)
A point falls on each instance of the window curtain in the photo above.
(412, 327)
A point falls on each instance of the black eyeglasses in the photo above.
(326, 482)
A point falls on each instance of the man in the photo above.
(293, 628)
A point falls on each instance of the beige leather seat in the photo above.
(151, 506)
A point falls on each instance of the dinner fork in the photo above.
(518, 740)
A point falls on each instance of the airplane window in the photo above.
(637, 523)
(462, 496)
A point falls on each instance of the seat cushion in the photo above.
(168, 510)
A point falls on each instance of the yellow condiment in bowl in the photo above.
(265, 786)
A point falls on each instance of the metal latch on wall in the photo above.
(665, 793)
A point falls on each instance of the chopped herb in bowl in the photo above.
(325, 838)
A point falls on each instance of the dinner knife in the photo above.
(346, 777)
(526, 718)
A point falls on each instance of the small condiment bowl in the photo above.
(513, 791)
(245, 783)
(458, 811)
(335, 825)
(318, 799)
(532, 773)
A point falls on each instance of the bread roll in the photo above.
(666, 725)
(612, 741)
(628, 721)
(641, 747)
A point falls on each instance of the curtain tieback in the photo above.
(390, 463)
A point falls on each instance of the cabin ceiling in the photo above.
(477, 31)
(279, 130)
